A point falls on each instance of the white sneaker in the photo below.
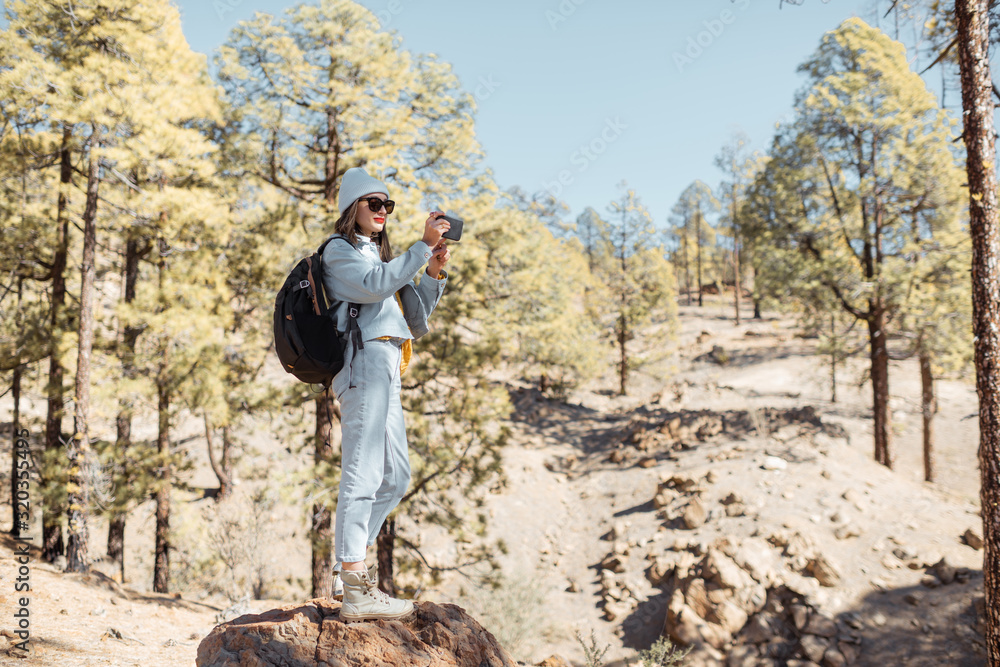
(363, 601)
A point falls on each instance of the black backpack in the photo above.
(305, 336)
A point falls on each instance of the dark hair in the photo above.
(347, 225)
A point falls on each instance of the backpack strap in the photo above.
(353, 309)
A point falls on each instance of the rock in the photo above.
(759, 629)
(972, 539)
(813, 647)
(732, 498)
(849, 651)
(879, 619)
(554, 661)
(821, 626)
(729, 616)
(846, 531)
(615, 610)
(904, 553)
(709, 426)
(696, 597)
(647, 462)
(573, 587)
(774, 463)
(310, 634)
(742, 655)
(614, 563)
(616, 533)
(943, 571)
(724, 571)
(738, 509)
(678, 482)
(914, 598)
(800, 615)
(663, 498)
(824, 571)
(755, 556)
(694, 514)
(833, 658)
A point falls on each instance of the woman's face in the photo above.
(369, 221)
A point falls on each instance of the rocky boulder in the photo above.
(311, 634)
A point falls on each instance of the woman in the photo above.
(393, 309)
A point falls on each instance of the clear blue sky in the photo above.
(552, 76)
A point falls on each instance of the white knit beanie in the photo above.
(357, 183)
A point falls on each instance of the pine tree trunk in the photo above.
(116, 542)
(52, 539)
(15, 390)
(687, 271)
(385, 542)
(321, 532)
(623, 318)
(833, 361)
(123, 421)
(227, 456)
(700, 304)
(736, 283)
(623, 355)
(220, 473)
(977, 102)
(161, 557)
(736, 258)
(879, 354)
(78, 451)
(928, 409)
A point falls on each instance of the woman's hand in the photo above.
(434, 228)
(438, 259)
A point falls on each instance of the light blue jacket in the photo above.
(357, 275)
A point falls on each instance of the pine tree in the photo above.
(693, 231)
(739, 165)
(639, 284)
(323, 89)
(866, 158)
(973, 29)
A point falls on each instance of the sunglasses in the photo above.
(374, 204)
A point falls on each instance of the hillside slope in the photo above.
(609, 500)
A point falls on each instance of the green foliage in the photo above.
(222, 547)
(663, 654)
(539, 312)
(593, 653)
(635, 284)
(865, 171)
(692, 236)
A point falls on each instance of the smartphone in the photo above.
(455, 233)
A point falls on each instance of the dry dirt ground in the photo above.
(580, 468)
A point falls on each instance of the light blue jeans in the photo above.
(375, 462)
